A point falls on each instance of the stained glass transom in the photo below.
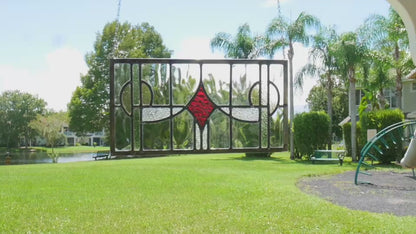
(177, 106)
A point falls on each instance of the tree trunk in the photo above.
(290, 54)
(330, 100)
(353, 113)
(399, 86)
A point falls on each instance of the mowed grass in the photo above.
(73, 149)
(188, 194)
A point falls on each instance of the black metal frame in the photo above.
(196, 149)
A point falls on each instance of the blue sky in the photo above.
(43, 42)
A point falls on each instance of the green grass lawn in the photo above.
(191, 194)
(60, 150)
(73, 149)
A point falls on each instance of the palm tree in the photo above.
(388, 35)
(284, 33)
(322, 66)
(379, 78)
(350, 55)
(242, 46)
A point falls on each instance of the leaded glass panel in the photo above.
(176, 106)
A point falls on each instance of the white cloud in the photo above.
(54, 82)
(197, 48)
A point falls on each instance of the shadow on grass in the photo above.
(276, 158)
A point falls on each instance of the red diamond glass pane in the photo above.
(201, 107)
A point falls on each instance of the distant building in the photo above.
(91, 139)
(408, 96)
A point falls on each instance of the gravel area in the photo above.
(390, 192)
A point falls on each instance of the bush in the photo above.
(379, 120)
(311, 132)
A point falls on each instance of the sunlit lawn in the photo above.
(192, 194)
(74, 149)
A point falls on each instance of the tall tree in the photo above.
(350, 55)
(388, 35)
(323, 66)
(284, 33)
(89, 106)
(17, 109)
(242, 46)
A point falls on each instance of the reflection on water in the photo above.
(42, 157)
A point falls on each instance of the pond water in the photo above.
(42, 157)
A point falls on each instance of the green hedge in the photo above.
(311, 132)
(379, 120)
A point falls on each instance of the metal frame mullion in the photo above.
(269, 118)
(132, 109)
(230, 96)
(171, 105)
(260, 106)
(141, 107)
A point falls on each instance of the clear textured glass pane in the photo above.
(147, 93)
(219, 130)
(254, 95)
(136, 84)
(205, 138)
(245, 135)
(274, 99)
(156, 136)
(176, 110)
(126, 97)
(183, 133)
(264, 86)
(216, 79)
(276, 130)
(151, 114)
(244, 76)
(122, 130)
(197, 137)
(246, 114)
(185, 82)
(226, 110)
(276, 76)
(136, 127)
(157, 76)
(264, 127)
(121, 76)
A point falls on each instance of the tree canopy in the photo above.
(89, 106)
(17, 109)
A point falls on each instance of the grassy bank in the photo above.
(60, 150)
(73, 149)
(192, 194)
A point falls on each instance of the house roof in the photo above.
(411, 75)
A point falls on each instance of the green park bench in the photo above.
(101, 154)
(328, 156)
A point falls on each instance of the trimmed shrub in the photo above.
(379, 120)
(310, 132)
